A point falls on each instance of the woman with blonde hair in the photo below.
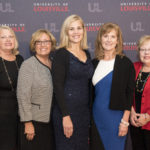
(10, 62)
(72, 70)
(113, 81)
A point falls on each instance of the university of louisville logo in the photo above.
(51, 27)
(94, 7)
(136, 27)
(6, 8)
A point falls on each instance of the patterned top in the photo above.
(34, 91)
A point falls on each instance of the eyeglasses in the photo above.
(144, 50)
(7, 37)
(47, 42)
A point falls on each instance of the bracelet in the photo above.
(125, 122)
(145, 116)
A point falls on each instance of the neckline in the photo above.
(77, 57)
(145, 72)
(42, 63)
(111, 60)
(9, 60)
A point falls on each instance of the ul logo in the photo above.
(51, 27)
(6, 8)
(94, 7)
(136, 26)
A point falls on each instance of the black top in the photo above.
(138, 95)
(123, 83)
(12, 71)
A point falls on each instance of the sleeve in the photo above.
(59, 70)
(24, 88)
(20, 60)
(130, 87)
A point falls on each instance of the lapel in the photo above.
(117, 67)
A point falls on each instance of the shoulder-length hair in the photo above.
(15, 49)
(64, 39)
(36, 35)
(106, 28)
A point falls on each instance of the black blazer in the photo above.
(123, 83)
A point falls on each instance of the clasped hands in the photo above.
(139, 120)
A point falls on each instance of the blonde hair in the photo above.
(15, 49)
(142, 40)
(64, 39)
(36, 35)
(106, 28)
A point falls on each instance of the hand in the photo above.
(133, 118)
(123, 130)
(29, 131)
(143, 119)
(68, 126)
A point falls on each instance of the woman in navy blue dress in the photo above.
(72, 70)
(113, 81)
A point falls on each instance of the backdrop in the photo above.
(26, 16)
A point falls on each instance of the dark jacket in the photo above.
(122, 83)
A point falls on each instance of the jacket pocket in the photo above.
(38, 105)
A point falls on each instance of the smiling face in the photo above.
(75, 32)
(144, 52)
(43, 45)
(7, 40)
(109, 41)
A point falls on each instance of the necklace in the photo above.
(9, 79)
(140, 81)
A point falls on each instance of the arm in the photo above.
(130, 87)
(24, 86)
(59, 73)
(123, 127)
(59, 69)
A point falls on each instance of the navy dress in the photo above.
(76, 93)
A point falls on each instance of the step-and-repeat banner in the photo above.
(26, 16)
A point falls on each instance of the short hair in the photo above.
(64, 40)
(106, 28)
(15, 49)
(142, 40)
(36, 35)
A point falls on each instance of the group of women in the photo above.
(65, 100)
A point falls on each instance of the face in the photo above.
(145, 52)
(43, 45)
(75, 32)
(7, 40)
(109, 41)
